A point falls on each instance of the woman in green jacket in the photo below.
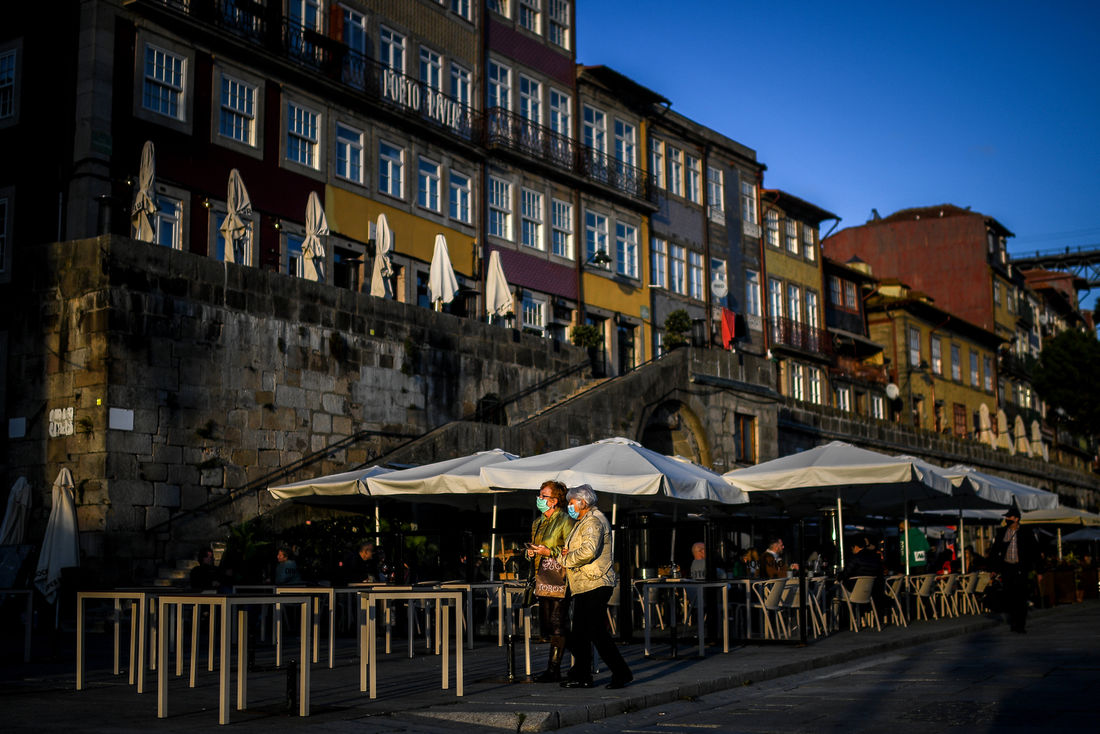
(548, 534)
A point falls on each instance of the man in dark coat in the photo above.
(1012, 556)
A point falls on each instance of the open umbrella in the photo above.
(15, 517)
(498, 296)
(145, 200)
(1083, 534)
(442, 284)
(60, 547)
(380, 285)
(1026, 496)
(331, 485)
(313, 250)
(237, 226)
(1060, 516)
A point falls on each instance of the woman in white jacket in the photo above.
(588, 567)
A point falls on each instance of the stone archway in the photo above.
(674, 428)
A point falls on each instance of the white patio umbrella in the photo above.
(1082, 535)
(498, 295)
(380, 285)
(1026, 496)
(1004, 438)
(145, 200)
(15, 517)
(839, 473)
(313, 249)
(1060, 516)
(237, 226)
(60, 547)
(1023, 445)
(442, 284)
(985, 426)
(331, 485)
(461, 476)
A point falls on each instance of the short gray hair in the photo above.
(584, 493)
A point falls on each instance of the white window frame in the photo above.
(391, 49)
(533, 310)
(391, 169)
(987, 367)
(500, 208)
(305, 130)
(170, 91)
(843, 395)
(771, 228)
(956, 362)
(461, 194)
(809, 249)
(935, 347)
(170, 211)
(293, 262)
(813, 318)
(241, 115)
(878, 407)
(431, 69)
(975, 369)
(657, 162)
(914, 346)
(530, 99)
(529, 15)
(626, 249)
(349, 154)
(794, 303)
(796, 380)
(594, 129)
(677, 269)
(499, 88)
(626, 142)
(748, 203)
(10, 58)
(790, 235)
(752, 293)
(429, 177)
(696, 288)
(694, 178)
(561, 225)
(561, 112)
(595, 236)
(815, 385)
(531, 219)
(716, 194)
(460, 84)
(775, 298)
(461, 8)
(675, 171)
(558, 23)
(658, 263)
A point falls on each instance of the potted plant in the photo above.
(677, 327)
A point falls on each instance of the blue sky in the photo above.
(854, 105)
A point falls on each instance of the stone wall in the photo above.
(218, 375)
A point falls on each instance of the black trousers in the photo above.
(1016, 593)
(590, 628)
(552, 616)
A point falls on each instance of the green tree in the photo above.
(586, 335)
(677, 327)
(1065, 379)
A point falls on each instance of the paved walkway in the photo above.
(41, 695)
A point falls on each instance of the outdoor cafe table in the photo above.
(138, 599)
(504, 592)
(649, 586)
(225, 606)
(368, 650)
(317, 593)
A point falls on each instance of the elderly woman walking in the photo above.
(588, 566)
(548, 534)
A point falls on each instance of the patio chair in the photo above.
(817, 589)
(640, 593)
(894, 591)
(964, 593)
(768, 596)
(791, 603)
(923, 586)
(944, 594)
(984, 579)
(858, 598)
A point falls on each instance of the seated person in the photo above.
(866, 561)
(774, 565)
(360, 566)
(205, 576)
(286, 570)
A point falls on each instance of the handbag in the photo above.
(550, 578)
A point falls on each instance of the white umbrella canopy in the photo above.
(498, 295)
(966, 494)
(839, 471)
(442, 284)
(145, 200)
(380, 285)
(1060, 516)
(313, 250)
(1026, 496)
(1082, 535)
(616, 466)
(237, 226)
(345, 483)
(15, 517)
(452, 476)
(60, 547)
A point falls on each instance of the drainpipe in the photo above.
(707, 305)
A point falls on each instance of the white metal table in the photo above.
(650, 585)
(139, 601)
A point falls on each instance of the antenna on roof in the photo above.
(875, 215)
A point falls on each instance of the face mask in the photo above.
(573, 513)
(542, 504)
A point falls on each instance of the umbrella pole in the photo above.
(614, 522)
(672, 547)
(493, 544)
(960, 544)
(377, 524)
(1059, 531)
(839, 531)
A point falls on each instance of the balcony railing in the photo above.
(796, 335)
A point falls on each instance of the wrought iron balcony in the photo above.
(784, 332)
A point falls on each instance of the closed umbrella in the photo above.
(313, 250)
(237, 226)
(1023, 446)
(15, 518)
(1038, 448)
(380, 285)
(60, 547)
(985, 426)
(145, 200)
(442, 284)
(498, 295)
(1004, 438)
